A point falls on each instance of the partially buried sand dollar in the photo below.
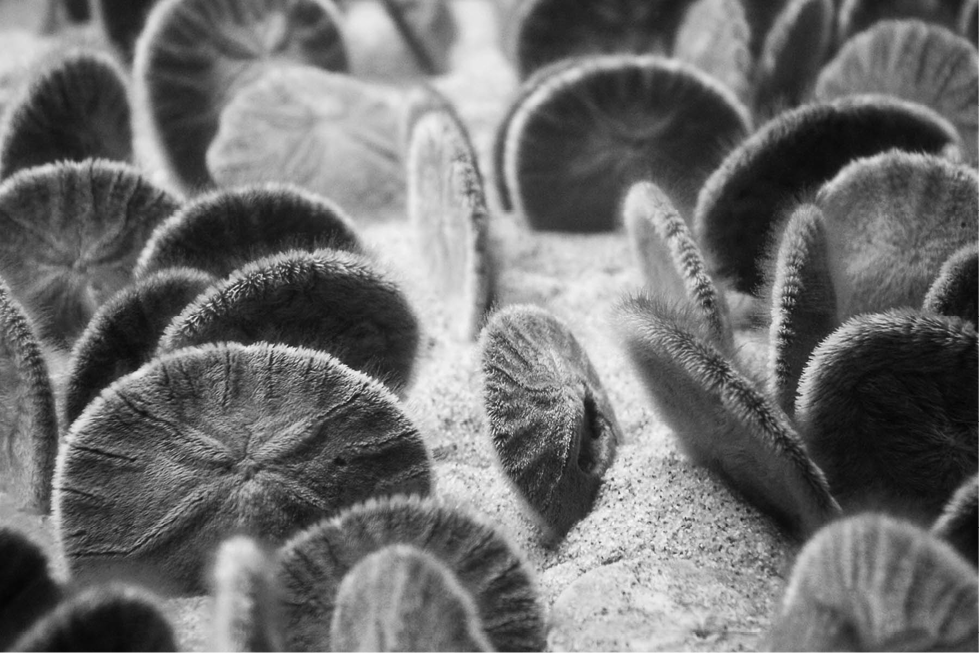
(219, 440)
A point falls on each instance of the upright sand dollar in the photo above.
(955, 291)
(219, 440)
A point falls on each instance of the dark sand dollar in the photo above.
(246, 610)
(328, 300)
(103, 618)
(29, 591)
(742, 203)
(28, 419)
(803, 303)
(887, 407)
(71, 235)
(124, 332)
(671, 261)
(761, 15)
(447, 208)
(855, 16)
(122, 21)
(220, 440)
(955, 290)
(312, 566)
(577, 143)
(715, 37)
(79, 11)
(194, 55)
(553, 428)
(891, 221)
(403, 599)
(959, 522)
(222, 231)
(875, 583)
(720, 420)
(551, 30)
(74, 108)
(794, 51)
(914, 61)
(328, 132)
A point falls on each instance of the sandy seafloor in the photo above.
(669, 558)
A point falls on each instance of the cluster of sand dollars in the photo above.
(203, 364)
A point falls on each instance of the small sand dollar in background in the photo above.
(715, 37)
(855, 16)
(720, 420)
(968, 22)
(741, 204)
(874, 583)
(553, 428)
(447, 207)
(403, 599)
(29, 591)
(246, 610)
(122, 21)
(124, 332)
(887, 407)
(583, 135)
(955, 291)
(328, 300)
(230, 439)
(28, 421)
(313, 564)
(914, 61)
(193, 56)
(327, 132)
(959, 522)
(222, 231)
(74, 108)
(103, 618)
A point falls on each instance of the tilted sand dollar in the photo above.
(400, 598)
(328, 132)
(124, 332)
(220, 232)
(955, 291)
(103, 618)
(721, 421)
(968, 22)
(193, 56)
(553, 427)
(715, 37)
(447, 209)
(246, 610)
(959, 522)
(579, 138)
(855, 16)
(671, 262)
(914, 61)
(29, 591)
(875, 583)
(74, 107)
(224, 439)
(312, 566)
(891, 222)
(28, 419)
(743, 201)
(886, 406)
(328, 300)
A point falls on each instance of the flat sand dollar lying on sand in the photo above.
(401, 598)
(29, 591)
(892, 221)
(193, 56)
(716, 38)
(855, 16)
(914, 61)
(312, 566)
(803, 303)
(671, 262)
(328, 300)
(103, 618)
(447, 208)
(959, 522)
(28, 419)
(124, 332)
(221, 231)
(580, 136)
(553, 428)
(720, 420)
(327, 132)
(246, 610)
(71, 235)
(875, 583)
(75, 107)
(887, 407)
(743, 201)
(218, 440)
(955, 291)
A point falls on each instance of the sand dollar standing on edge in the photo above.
(955, 291)
(219, 440)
